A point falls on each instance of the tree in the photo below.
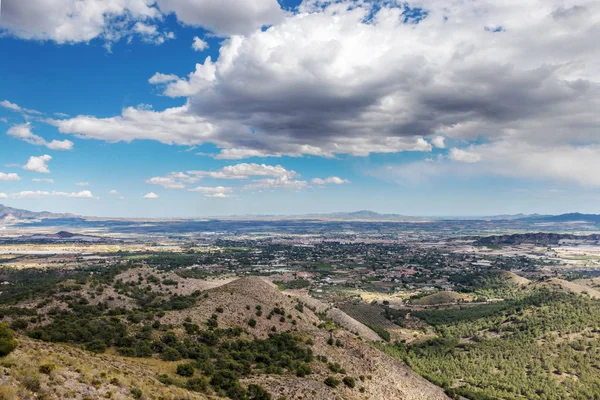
(185, 369)
(7, 340)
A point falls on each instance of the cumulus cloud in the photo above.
(150, 195)
(225, 17)
(23, 132)
(334, 180)
(70, 21)
(382, 77)
(199, 44)
(113, 192)
(439, 142)
(30, 194)
(168, 182)
(75, 21)
(82, 183)
(4, 177)
(151, 34)
(43, 180)
(38, 164)
(3, 195)
(162, 78)
(218, 191)
(174, 180)
(247, 170)
(180, 180)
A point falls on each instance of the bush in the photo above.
(170, 354)
(136, 393)
(252, 322)
(349, 381)
(185, 370)
(19, 324)
(302, 370)
(197, 385)
(331, 381)
(7, 340)
(257, 392)
(96, 346)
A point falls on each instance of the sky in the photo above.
(190, 108)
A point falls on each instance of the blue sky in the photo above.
(298, 107)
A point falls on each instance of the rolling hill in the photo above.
(218, 330)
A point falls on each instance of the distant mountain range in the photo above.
(571, 217)
(9, 215)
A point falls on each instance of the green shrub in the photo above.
(136, 393)
(252, 322)
(349, 381)
(170, 354)
(257, 392)
(185, 370)
(302, 370)
(96, 346)
(197, 385)
(331, 381)
(7, 340)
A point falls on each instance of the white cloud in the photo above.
(439, 142)
(218, 191)
(17, 108)
(247, 170)
(199, 44)
(69, 21)
(30, 194)
(283, 182)
(562, 164)
(196, 82)
(151, 195)
(4, 177)
(9, 105)
(225, 17)
(175, 180)
(23, 132)
(331, 180)
(82, 183)
(43, 180)
(464, 156)
(3, 195)
(151, 34)
(113, 192)
(180, 180)
(379, 77)
(38, 164)
(60, 145)
(162, 78)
